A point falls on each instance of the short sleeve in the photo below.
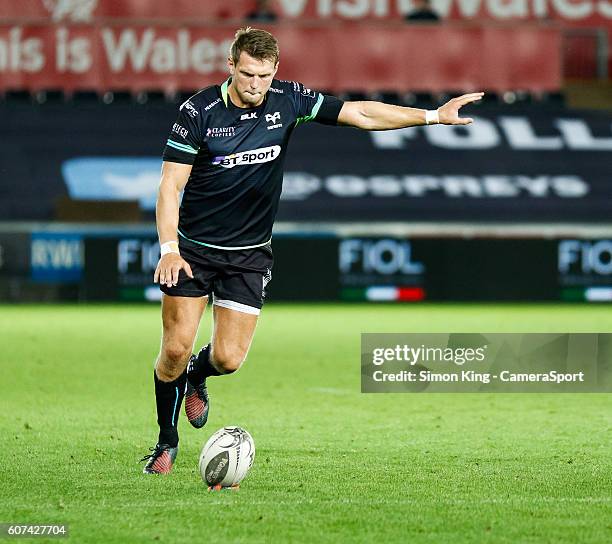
(184, 141)
(314, 106)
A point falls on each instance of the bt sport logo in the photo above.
(245, 158)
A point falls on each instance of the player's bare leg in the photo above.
(232, 336)
(180, 320)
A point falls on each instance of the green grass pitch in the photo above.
(332, 464)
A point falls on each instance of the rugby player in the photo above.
(225, 153)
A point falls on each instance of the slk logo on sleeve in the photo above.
(252, 156)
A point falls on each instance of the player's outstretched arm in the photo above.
(380, 116)
(173, 181)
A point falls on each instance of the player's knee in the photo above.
(177, 352)
(173, 359)
(228, 361)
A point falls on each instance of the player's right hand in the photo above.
(168, 267)
(449, 112)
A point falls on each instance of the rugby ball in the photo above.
(227, 457)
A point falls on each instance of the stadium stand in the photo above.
(90, 88)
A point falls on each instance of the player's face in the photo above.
(251, 79)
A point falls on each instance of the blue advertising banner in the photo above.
(56, 257)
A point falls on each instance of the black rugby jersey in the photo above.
(232, 195)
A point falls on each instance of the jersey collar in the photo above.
(224, 90)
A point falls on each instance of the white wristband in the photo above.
(432, 117)
(169, 247)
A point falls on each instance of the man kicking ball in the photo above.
(226, 153)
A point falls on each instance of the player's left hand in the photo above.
(449, 113)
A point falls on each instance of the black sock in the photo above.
(169, 397)
(201, 367)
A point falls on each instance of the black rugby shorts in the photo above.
(237, 279)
